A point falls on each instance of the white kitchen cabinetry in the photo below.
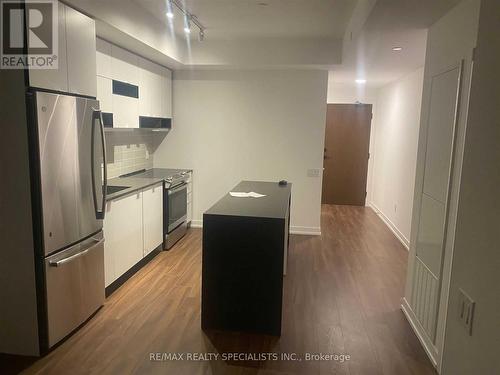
(133, 228)
(54, 79)
(123, 246)
(103, 58)
(105, 94)
(166, 92)
(125, 111)
(154, 82)
(147, 80)
(124, 65)
(81, 50)
(152, 212)
(76, 56)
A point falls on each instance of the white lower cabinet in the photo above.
(133, 227)
(152, 213)
(123, 234)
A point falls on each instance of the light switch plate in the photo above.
(465, 310)
(313, 172)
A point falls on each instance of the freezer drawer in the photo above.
(75, 286)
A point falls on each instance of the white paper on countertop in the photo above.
(251, 194)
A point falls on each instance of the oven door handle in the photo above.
(177, 188)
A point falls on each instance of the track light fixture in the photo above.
(170, 9)
(188, 18)
(187, 24)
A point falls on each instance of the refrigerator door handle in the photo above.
(63, 261)
(99, 212)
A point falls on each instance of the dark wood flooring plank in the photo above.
(341, 295)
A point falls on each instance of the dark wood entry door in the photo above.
(347, 143)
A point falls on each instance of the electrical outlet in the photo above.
(465, 310)
(313, 172)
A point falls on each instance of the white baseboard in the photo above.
(429, 348)
(196, 223)
(308, 231)
(400, 236)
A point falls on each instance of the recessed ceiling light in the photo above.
(262, 4)
(397, 48)
(361, 81)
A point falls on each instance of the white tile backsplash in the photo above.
(128, 153)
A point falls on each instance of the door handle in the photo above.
(177, 189)
(63, 261)
(97, 116)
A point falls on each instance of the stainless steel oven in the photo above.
(177, 205)
(175, 210)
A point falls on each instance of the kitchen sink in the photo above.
(115, 189)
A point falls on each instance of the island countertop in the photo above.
(273, 205)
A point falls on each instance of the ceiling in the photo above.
(351, 38)
(390, 23)
(249, 19)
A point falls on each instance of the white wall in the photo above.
(257, 125)
(350, 93)
(476, 261)
(394, 152)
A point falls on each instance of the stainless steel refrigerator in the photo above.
(68, 177)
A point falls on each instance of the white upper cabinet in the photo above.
(54, 79)
(166, 93)
(154, 89)
(76, 56)
(124, 66)
(105, 93)
(154, 84)
(81, 53)
(146, 82)
(125, 111)
(103, 58)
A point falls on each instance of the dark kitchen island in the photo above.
(245, 245)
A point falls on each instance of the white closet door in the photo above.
(434, 195)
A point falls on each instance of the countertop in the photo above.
(141, 181)
(273, 205)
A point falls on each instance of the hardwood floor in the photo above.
(342, 295)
